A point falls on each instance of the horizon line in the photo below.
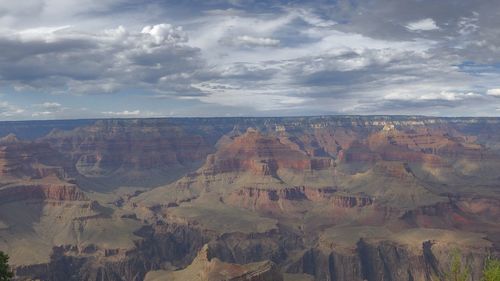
(254, 117)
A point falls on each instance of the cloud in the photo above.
(468, 25)
(255, 41)
(164, 33)
(42, 113)
(47, 109)
(259, 99)
(22, 13)
(493, 92)
(50, 105)
(251, 57)
(422, 25)
(67, 60)
(433, 96)
(310, 70)
(124, 113)
(9, 110)
(310, 17)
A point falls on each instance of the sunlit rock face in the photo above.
(302, 198)
(206, 267)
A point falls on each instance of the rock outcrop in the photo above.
(262, 155)
(205, 267)
(147, 152)
(57, 192)
(30, 160)
(289, 199)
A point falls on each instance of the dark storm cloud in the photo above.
(104, 61)
(34, 60)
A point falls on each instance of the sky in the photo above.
(67, 59)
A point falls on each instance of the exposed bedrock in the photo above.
(385, 261)
(285, 199)
(172, 244)
(58, 192)
(210, 268)
(336, 198)
(262, 155)
(29, 160)
(460, 212)
(118, 146)
(160, 244)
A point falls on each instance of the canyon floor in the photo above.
(337, 198)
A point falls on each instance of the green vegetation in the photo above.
(491, 270)
(460, 272)
(5, 273)
(457, 272)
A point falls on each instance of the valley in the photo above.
(327, 198)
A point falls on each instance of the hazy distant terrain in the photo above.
(300, 198)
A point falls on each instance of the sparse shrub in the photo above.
(5, 273)
(457, 271)
(491, 270)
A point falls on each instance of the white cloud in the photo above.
(122, 113)
(449, 96)
(224, 39)
(327, 71)
(493, 92)
(36, 11)
(260, 99)
(42, 113)
(165, 33)
(313, 19)
(47, 109)
(101, 86)
(443, 96)
(468, 25)
(41, 33)
(9, 110)
(422, 25)
(50, 105)
(255, 41)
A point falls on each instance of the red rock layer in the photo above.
(440, 215)
(110, 145)
(30, 160)
(269, 199)
(60, 192)
(422, 145)
(262, 155)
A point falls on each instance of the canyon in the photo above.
(325, 198)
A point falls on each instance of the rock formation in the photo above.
(207, 268)
(302, 198)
